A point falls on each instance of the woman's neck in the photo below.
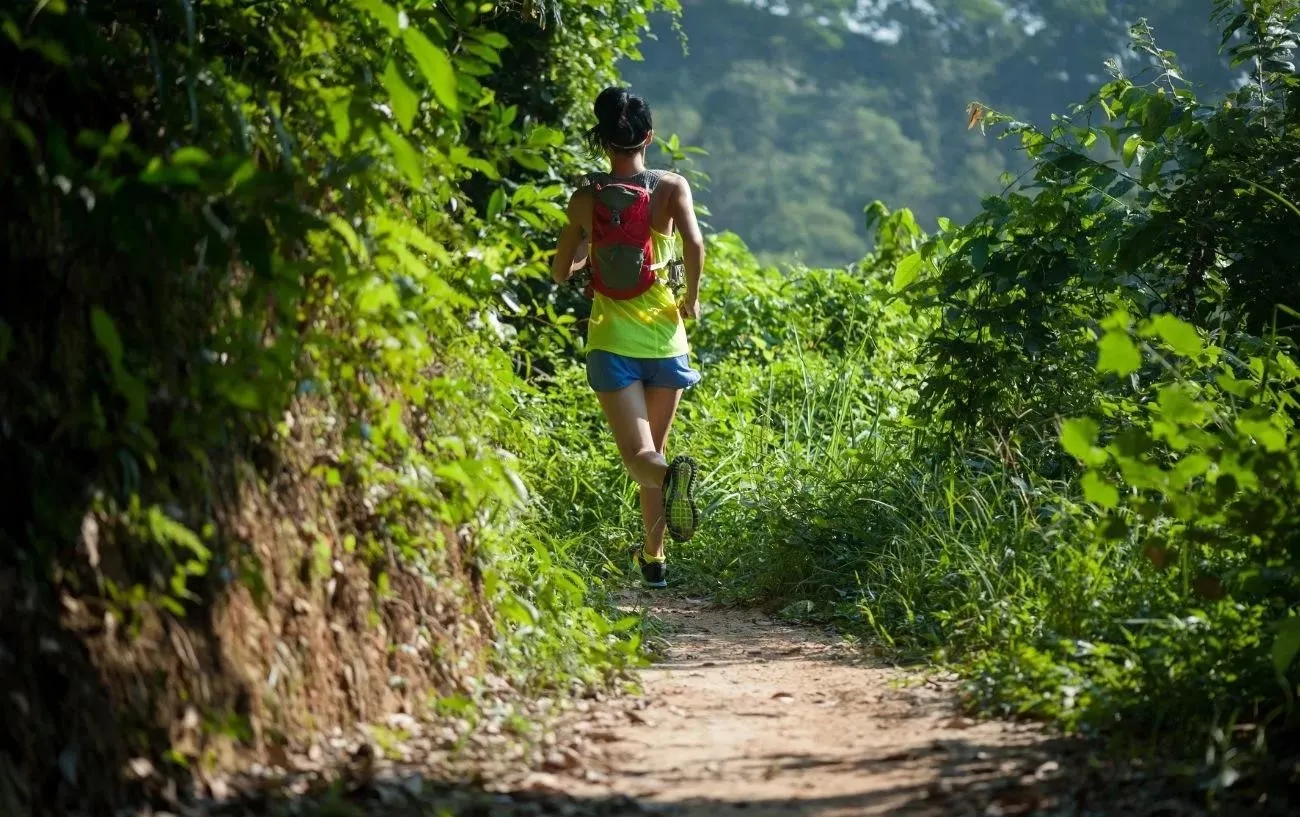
(627, 164)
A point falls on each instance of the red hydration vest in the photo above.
(622, 250)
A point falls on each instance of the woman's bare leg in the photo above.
(628, 417)
(661, 407)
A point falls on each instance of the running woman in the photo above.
(638, 358)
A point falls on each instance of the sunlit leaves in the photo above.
(1263, 429)
(1118, 354)
(1098, 491)
(907, 271)
(1130, 152)
(376, 295)
(530, 159)
(1181, 336)
(496, 204)
(436, 67)
(1079, 439)
(1179, 404)
(406, 157)
(339, 102)
(391, 19)
(404, 101)
(544, 137)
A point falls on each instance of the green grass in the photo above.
(820, 498)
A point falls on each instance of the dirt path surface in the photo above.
(749, 715)
(743, 715)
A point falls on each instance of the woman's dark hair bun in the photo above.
(622, 120)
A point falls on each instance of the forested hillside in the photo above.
(810, 110)
(297, 435)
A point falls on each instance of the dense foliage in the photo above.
(260, 248)
(255, 257)
(1054, 445)
(810, 114)
(226, 222)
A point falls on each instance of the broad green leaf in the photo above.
(907, 272)
(1130, 149)
(404, 101)
(462, 157)
(377, 295)
(1098, 491)
(530, 159)
(340, 110)
(532, 219)
(1264, 432)
(436, 67)
(494, 39)
(384, 13)
(1181, 336)
(1155, 116)
(159, 172)
(552, 211)
(543, 136)
(1079, 439)
(624, 624)
(496, 204)
(349, 236)
(191, 156)
(106, 335)
(521, 611)
(484, 52)
(1118, 353)
(1179, 404)
(1235, 386)
(1286, 644)
(1191, 467)
(1112, 134)
(413, 236)
(1119, 319)
(405, 156)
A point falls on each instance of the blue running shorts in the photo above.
(607, 371)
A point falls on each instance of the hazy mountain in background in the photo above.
(810, 109)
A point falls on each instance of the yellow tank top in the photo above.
(646, 326)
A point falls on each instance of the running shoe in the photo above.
(653, 568)
(680, 512)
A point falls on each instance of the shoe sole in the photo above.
(676, 494)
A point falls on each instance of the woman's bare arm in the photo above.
(571, 249)
(682, 207)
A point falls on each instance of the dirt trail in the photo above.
(743, 715)
(749, 715)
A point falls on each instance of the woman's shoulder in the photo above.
(668, 181)
(659, 175)
(666, 175)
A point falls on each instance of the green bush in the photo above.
(888, 446)
(255, 247)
